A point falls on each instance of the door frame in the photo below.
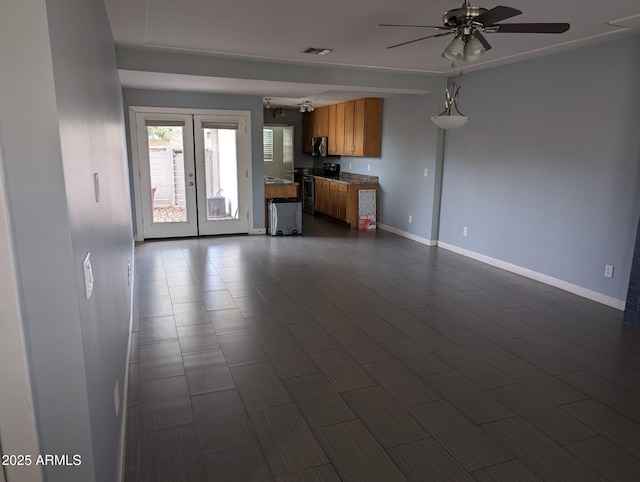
(178, 229)
(135, 161)
(205, 226)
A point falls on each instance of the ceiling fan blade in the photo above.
(496, 14)
(419, 39)
(483, 40)
(530, 27)
(440, 27)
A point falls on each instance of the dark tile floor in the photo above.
(363, 356)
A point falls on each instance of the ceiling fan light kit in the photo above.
(468, 24)
(306, 106)
(455, 50)
(473, 49)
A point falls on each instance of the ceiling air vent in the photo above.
(317, 51)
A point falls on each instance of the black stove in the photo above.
(331, 170)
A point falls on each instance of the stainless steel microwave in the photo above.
(319, 147)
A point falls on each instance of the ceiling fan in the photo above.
(469, 23)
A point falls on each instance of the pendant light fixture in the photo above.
(447, 118)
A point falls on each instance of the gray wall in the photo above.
(409, 146)
(546, 173)
(61, 120)
(198, 100)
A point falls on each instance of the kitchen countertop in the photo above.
(351, 178)
(345, 177)
(276, 181)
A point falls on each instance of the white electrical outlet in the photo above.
(410, 218)
(465, 231)
(426, 172)
(608, 271)
(88, 275)
(349, 166)
(368, 167)
(116, 397)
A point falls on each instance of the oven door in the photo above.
(308, 194)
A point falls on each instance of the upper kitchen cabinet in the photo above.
(352, 128)
(320, 121)
(362, 128)
(307, 132)
(336, 129)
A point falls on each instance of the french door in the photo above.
(193, 172)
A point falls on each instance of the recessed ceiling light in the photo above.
(317, 51)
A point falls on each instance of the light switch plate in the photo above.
(608, 271)
(116, 397)
(96, 186)
(88, 275)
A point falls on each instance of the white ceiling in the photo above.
(279, 30)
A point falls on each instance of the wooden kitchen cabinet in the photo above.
(341, 212)
(326, 198)
(319, 196)
(333, 199)
(352, 128)
(307, 133)
(339, 200)
(349, 113)
(336, 129)
(323, 196)
(331, 129)
(362, 132)
(320, 121)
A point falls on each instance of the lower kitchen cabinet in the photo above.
(339, 200)
(319, 196)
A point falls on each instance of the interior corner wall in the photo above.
(201, 100)
(409, 146)
(546, 175)
(61, 121)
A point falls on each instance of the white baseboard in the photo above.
(405, 234)
(125, 389)
(543, 278)
(258, 231)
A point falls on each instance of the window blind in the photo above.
(267, 135)
(219, 125)
(163, 123)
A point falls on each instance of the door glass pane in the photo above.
(166, 167)
(221, 173)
